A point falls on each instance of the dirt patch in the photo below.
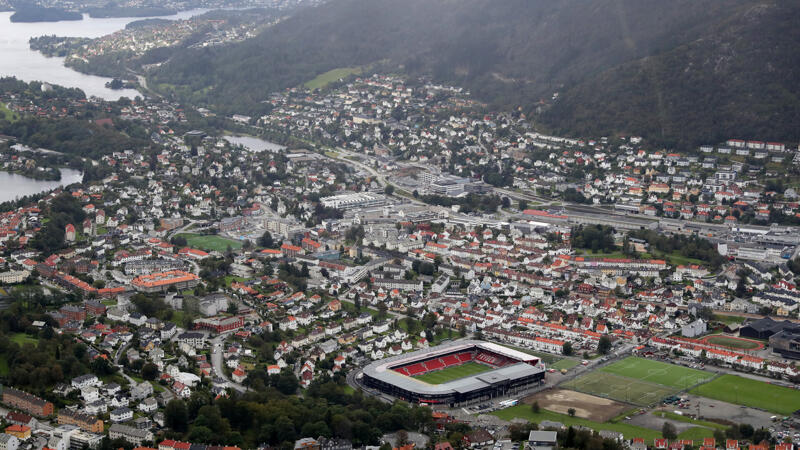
(587, 406)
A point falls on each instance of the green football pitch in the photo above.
(658, 372)
(453, 373)
(753, 393)
(637, 380)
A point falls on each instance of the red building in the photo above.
(219, 324)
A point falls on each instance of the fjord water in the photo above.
(17, 59)
(13, 186)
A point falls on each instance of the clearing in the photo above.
(586, 406)
(324, 79)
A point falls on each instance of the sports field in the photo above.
(753, 393)
(453, 373)
(658, 372)
(615, 387)
(733, 342)
(210, 242)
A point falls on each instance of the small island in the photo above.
(118, 84)
(31, 13)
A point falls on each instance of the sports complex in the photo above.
(455, 374)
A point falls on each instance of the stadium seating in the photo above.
(485, 357)
(493, 359)
(464, 357)
(450, 360)
(434, 364)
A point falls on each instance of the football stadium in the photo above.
(455, 374)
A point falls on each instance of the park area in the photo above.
(453, 373)
(752, 393)
(210, 242)
(638, 381)
(733, 342)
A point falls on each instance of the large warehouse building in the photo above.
(507, 372)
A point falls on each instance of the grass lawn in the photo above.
(210, 242)
(615, 387)
(728, 319)
(547, 358)
(3, 366)
(614, 255)
(525, 412)
(676, 417)
(453, 373)
(109, 302)
(728, 341)
(323, 79)
(565, 363)
(22, 339)
(658, 372)
(753, 393)
(7, 114)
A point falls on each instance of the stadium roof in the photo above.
(382, 371)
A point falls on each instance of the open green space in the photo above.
(525, 412)
(703, 423)
(753, 393)
(22, 339)
(453, 373)
(565, 363)
(3, 366)
(728, 319)
(619, 388)
(210, 242)
(547, 358)
(728, 341)
(627, 430)
(658, 372)
(7, 114)
(324, 79)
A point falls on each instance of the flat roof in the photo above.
(382, 369)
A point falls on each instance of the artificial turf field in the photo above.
(210, 242)
(658, 372)
(619, 388)
(453, 373)
(637, 380)
(753, 393)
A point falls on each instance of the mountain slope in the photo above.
(511, 54)
(740, 79)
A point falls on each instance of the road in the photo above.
(216, 361)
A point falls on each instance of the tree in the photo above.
(178, 241)
(604, 345)
(535, 408)
(287, 382)
(571, 412)
(567, 348)
(668, 431)
(266, 240)
(523, 205)
(388, 190)
(149, 371)
(175, 415)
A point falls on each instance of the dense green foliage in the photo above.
(688, 246)
(597, 238)
(272, 417)
(739, 79)
(76, 137)
(63, 210)
(27, 12)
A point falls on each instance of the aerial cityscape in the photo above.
(399, 225)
